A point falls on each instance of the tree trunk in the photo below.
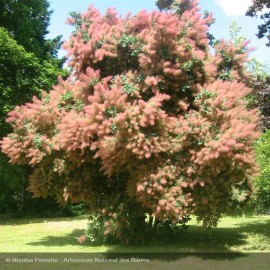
(151, 219)
(27, 172)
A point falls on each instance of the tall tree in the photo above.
(27, 22)
(28, 64)
(152, 121)
(261, 8)
(28, 60)
(22, 75)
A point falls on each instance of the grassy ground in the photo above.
(239, 242)
(233, 234)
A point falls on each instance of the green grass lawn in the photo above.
(236, 244)
(233, 234)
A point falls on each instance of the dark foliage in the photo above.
(27, 64)
(261, 99)
(256, 10)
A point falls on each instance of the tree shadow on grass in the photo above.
(256, 227)
(208, 244)
(223, 239)
(65, 240)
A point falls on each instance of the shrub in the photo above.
(151, 121)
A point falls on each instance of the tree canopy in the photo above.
(22, 75)
(261, 8)
(18, 68)
(28, 60)
(28, 64)
(150, 121)
(27, 22)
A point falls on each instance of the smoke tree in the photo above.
(151, 121)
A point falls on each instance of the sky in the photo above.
(224, 11)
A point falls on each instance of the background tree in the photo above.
(261, 8)
(27, 22)
(262, 182)
(260, 98)
(22, 75)
(151, 121)
(27, 65)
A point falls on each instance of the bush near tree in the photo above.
(262, 182)
(151, 121)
